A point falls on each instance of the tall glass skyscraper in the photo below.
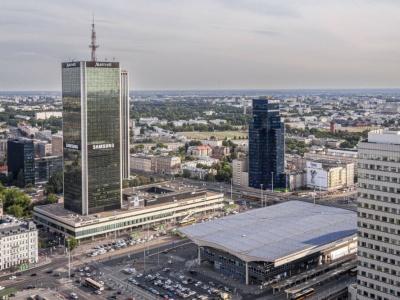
(125, 124)
(20, 159)
(91, 95)
(266, 146)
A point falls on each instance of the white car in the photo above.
(1, 287)
(12, 277)
(97, 292)
(73, 296)
(139, 275)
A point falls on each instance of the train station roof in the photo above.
(280, 233)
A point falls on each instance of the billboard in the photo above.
(317, 178)
(315, 165)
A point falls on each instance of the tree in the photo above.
(186, 173)
(56, 182)
(72, 243)
(212, 138)
(125, 183)
(160, 145)
(345, 144)
(209, 177)
(195, 143)
(134, 182)
(51, 198)
(21, 179)
(15, 210)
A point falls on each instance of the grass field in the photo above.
(219, 135)
(357, 129)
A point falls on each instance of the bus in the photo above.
(94, 284)
(187, 222)
(303, 294)
(353, 271)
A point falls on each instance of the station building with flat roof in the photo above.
(151, 205)
(275, 241)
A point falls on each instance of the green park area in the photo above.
(219, 135)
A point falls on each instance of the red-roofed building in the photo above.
(4, 170)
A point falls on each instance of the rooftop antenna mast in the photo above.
(93, 46)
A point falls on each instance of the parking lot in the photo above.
(170, 273)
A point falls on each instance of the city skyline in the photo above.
(208, 44)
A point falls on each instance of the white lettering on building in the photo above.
(72, 146)
(103, 146)
(98, 64)
(71, 64)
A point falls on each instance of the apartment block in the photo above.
(379, 216)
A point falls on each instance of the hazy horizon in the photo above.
(206, 45)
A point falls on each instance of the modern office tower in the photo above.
(125, 124)
(378, 216)
(20, 159)
(91, 96)
(266, 146)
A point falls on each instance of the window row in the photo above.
(378, 167)
(378, 157)
(375, 287)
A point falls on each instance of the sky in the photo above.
(205, 44)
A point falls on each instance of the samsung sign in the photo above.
(103, 146)
(72, 146)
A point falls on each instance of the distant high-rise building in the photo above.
(378, 216)
(20, 159)
(125, 124)
(57, 144)
(91, 96)
(266, 146)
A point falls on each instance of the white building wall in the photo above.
(379, 216)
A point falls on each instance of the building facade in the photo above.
(142, 162)
(20, 158)
(378, 216)
(240, 172)
(57, 144)
(125, 134)
(266, 146)
(92, 136)
(168, 165)
(156, 204)
(18, 244)
(45, 167)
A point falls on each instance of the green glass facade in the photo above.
(91, 127)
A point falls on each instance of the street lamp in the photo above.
(272, 181)
(69, 260)
(261, 194)
(320, 194)
(115, 226)
(231, 188)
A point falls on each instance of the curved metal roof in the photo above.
(276, 232)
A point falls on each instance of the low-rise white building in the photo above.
(18, 244)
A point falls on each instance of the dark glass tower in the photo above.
(91, 95)
(266, 146)
(20, 159)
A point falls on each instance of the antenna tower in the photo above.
(93, 46)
